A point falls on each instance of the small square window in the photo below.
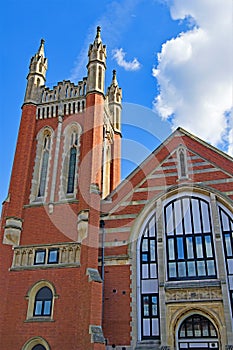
(39, 257)
(53, 256)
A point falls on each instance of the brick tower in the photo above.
(66, 160)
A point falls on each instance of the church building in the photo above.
(90, 262)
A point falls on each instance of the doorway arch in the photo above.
(197, 332)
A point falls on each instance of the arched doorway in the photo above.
(197, 332)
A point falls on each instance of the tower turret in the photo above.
(96, 65)
(36, 76)
(114, 101)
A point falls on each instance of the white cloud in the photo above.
(113, 14)
(119, 56)
(194, 71)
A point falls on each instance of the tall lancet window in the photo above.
(72, 162)
(44, 164)
(182, 163)
(70, 157)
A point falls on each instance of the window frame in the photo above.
(72, 139)
(178, 254)
(47, 253)
(31, 297)
(229, 232)
(149, 249)
(42, 301)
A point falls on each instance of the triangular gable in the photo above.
(206, 165)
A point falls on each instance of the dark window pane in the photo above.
(44, 293)
(38, 347)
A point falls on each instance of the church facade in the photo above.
(90, 262)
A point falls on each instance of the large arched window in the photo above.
(189, 240)
(226, 220)
(198, 333)
(149, 293)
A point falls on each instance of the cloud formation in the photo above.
(194, 72)
(119, 56)
(116, 12)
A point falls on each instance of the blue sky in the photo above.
(173, 61)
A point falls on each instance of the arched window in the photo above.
(190, 248)
(197, 332)
(36, 343)
(72, 162)
(149, 293)
(226, 220)
(182, 163)
(43, 302)
(44, 164)
(69, 176)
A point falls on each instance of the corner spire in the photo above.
(114, 79)
(41, 48)
(98, 32)
(37, 74)
(96, 64)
